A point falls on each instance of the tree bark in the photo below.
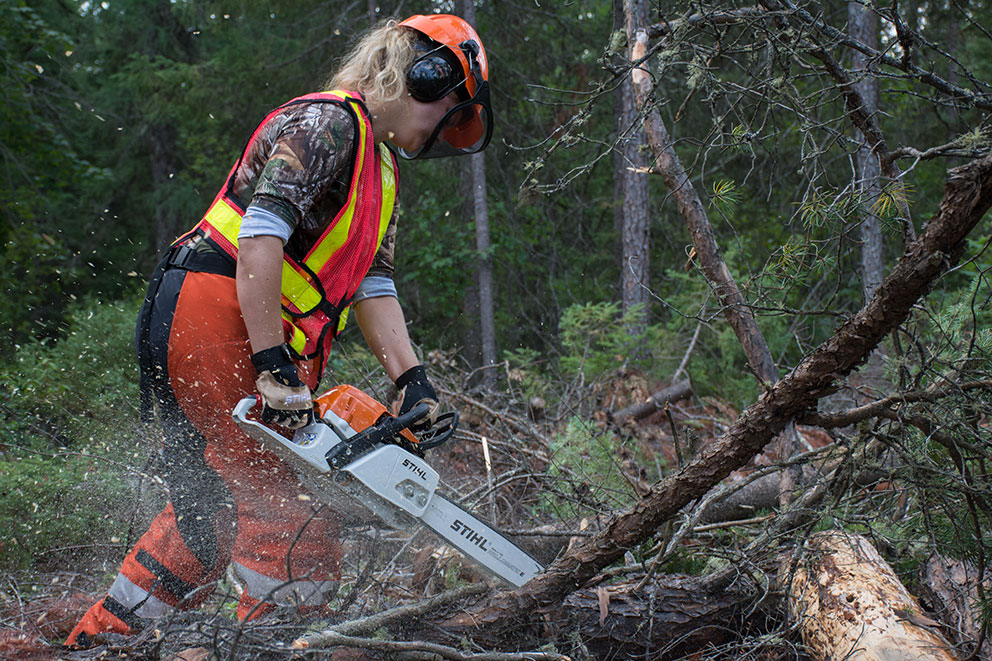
(667, 163)
(951, 587)
(967, 197)
(162, 156)
(850, 605)
(863, 26)
(669, 618)
(634, 216)
(484, 270)
(735, 307)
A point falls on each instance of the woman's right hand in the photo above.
(286, 400)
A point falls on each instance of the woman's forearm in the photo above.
(384, 327)
(259, 282)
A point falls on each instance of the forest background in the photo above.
(120, 120)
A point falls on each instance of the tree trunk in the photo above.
(668, 618)
(863, 26)
(631, 170)
(667, 163)
(484, 271)
(735, 307)
(162, 154)
(656, 402)
(951, 588)
(850, 605)
(967, 197)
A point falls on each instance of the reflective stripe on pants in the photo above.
(229, 498)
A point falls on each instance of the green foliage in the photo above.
(67, 427)
(596, 339)
(585, 471)
(32, 288)
(530, 373)
(50, 504)
(81, 388)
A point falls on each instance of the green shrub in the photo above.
(81, 388)
(596, 339)
(68, 430)
(585, 471)
(53, 507)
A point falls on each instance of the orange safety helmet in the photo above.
(453, 60)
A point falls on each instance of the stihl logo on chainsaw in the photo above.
(470, 534)
(416, 469)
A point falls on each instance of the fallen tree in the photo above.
(850, 604)
(967, 197)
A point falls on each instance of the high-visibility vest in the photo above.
(317, 290)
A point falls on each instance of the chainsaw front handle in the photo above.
(440, 432)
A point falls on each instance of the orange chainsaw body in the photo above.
(354, 407)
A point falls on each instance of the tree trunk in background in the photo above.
(863, 25)
(736, 309)
(484, 272)
(163, 23)
(632, 204)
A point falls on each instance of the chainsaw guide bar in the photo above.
(356, 458)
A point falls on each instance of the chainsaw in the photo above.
(361, 460)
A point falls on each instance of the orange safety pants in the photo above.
(230, 500)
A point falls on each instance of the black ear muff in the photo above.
(431, 78)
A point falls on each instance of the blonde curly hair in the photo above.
(378, 63)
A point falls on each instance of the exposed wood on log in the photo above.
(655, 402)
(951, 587)
(967, 197)
(851, 605)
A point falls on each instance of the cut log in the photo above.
(670, 617)
(951, 587)
(655, 402)
(850, 605)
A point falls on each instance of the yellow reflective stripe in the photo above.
(297, 340)
(338, 234)
(225, 219)
(296, 289)
(343, 319)
(388, 190)
(388, 200)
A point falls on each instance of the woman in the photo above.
(249, 300)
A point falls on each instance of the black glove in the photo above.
(286, 399)
(416, 389)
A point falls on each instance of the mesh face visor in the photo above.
(468, 126)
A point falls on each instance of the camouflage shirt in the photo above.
(299, 167)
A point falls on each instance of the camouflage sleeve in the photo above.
(308, 164)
